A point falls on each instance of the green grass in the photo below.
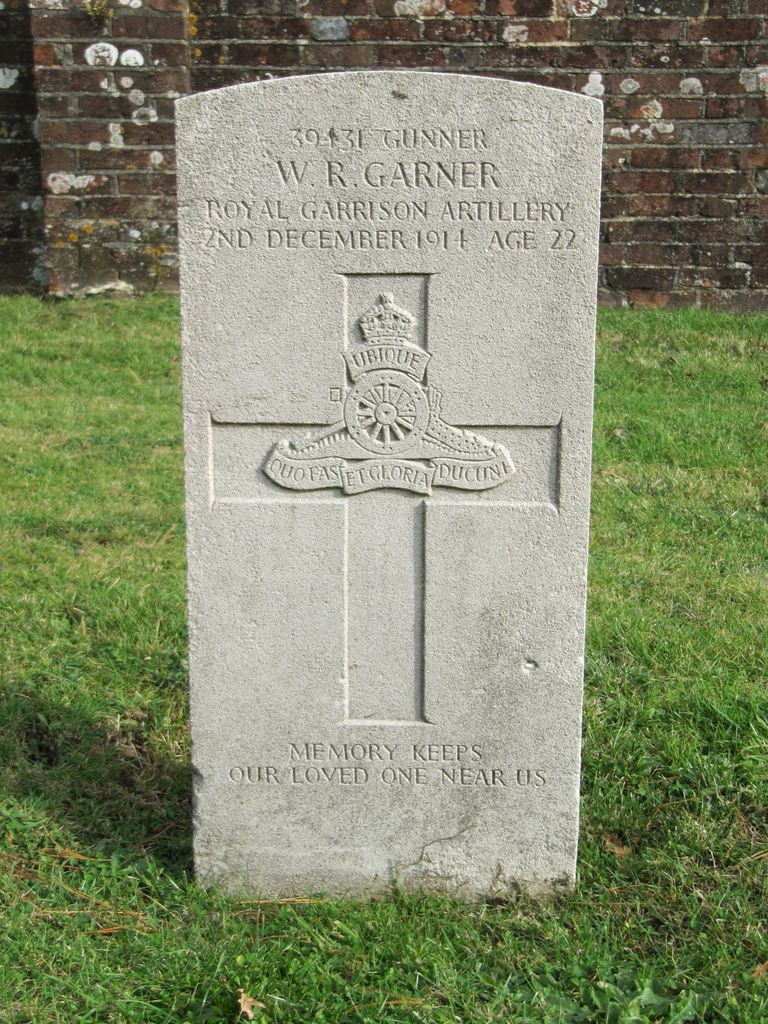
(101, 920)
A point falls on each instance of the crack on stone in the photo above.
(421, 860)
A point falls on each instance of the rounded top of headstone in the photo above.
(401, 86)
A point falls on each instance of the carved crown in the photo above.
(387, 322)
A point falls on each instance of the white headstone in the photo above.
(388, 296)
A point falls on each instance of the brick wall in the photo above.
(684, 82)
(105, 91)
(21, 200)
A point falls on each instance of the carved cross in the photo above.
(392, 457)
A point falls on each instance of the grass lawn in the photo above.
(100, 918)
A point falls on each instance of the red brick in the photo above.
(97, 264)
(612, 255)
(44, 53)
(157, 80)
(219, 26)
(275, 29)
(616, 156)
(337, 55)
(49, 105)
(719, 160)
(724, 29)
(681, 109)
(81, 80)
(168, 6)
(755, 107)
(658, 254)
(661, 205)
(638, 230)
(613, 206)
(324, 8)
(727, 8)
(72, 132)
(752, 159)
(113, 159)
(409, 56)
(374, 29)
(721, 83)
(670, 55)
(210, 53)
(56, 25)
(272, 55)
(647, 30)
(723, 230)
(736, 302)
(590, 58)
(747, 252)
(711, 277)
(547, 77)
(101, 184)
(717, 206)
(644, 108)
(157, 134)
(588, 30)
(661, 300)
(526, 8)
(146, 184)
(114, 207)
(729, 107)
(664, 157)
(712, 254)
(517, 57)
(725, 56)
(101, 105)
(65, 269)
(57, 160)
(614, 299)
(459, 30)
(246, 8)
(100, 232)
(58, 208)
(653, 83)
(712, 182)
(644, 182)
(141, 27)
(170, 54)
(216, 78)
(640, 278)
(541, 30)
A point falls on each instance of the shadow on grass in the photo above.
(108, 784)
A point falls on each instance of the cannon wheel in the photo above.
(386, 412)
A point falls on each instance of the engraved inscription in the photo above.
(421, 138)
(390, 413)
(406, 225)
(447, 765)
(429, 189)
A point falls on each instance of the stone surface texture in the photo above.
(388, 298)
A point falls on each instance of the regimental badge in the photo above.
(392, 434)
